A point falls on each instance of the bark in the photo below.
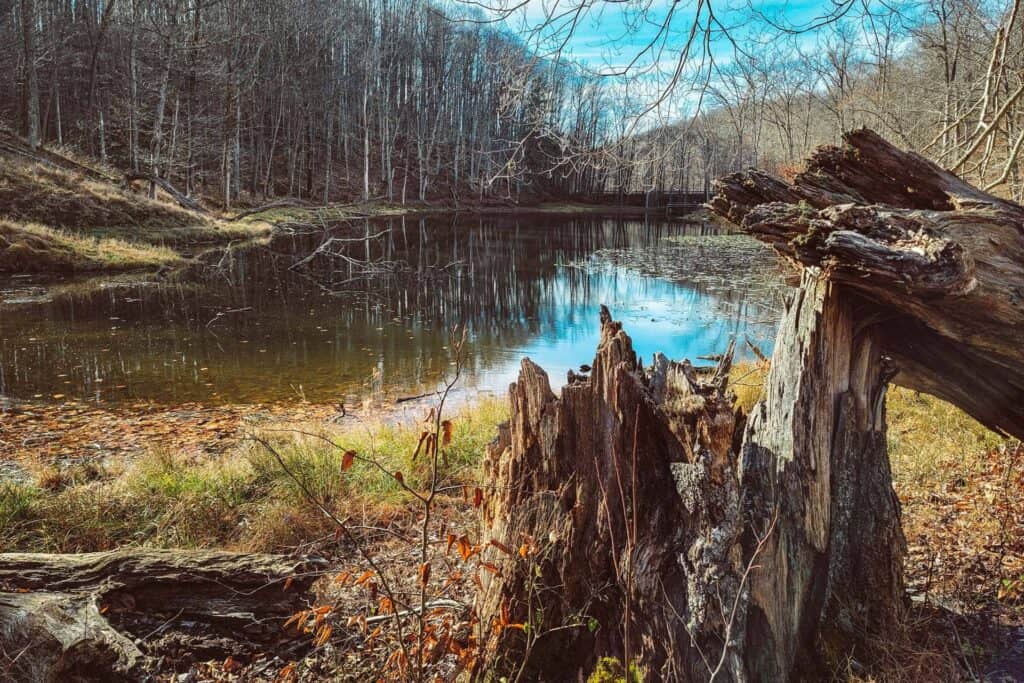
(670, 531)
(28, 22)
(662, 528)
(106, 616)
(938, 265)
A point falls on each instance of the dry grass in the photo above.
(929, 438)
(242, 499)
(53, 219)
(30, 247)
(747, 381)
(58, 198)
(958, 482)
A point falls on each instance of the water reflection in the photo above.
(374, 315)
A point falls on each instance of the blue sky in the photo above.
(608, 37)
(606, 34)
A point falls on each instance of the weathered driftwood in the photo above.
(705, 545)
(103, 616)
(934, 266)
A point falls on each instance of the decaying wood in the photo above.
(699, 544)
(102, 616)
(936, 266)
(625, 491)
(814, 459)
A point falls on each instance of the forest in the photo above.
(414, 101)
(511, 340)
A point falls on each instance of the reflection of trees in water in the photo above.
(262, 329)
(484, 271)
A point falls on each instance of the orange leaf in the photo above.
(424, 574)
(524, 550)
(478, 497)
(455, 577)
(446, 428)
(364, 577)
(347, 459)
(322, 635)
(288, 582)
(465, 549)
(230, 665)
(386, 606)
(296, 619)
(490, 567)
(451, 542)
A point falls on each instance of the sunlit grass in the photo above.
(56, 220)
(244, 498)
(30, 247)
(929, 437)
(747, 381)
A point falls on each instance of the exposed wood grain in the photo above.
(625, 540)
(103, 614)
(938, 265)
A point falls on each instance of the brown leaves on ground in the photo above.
(965, 537)
(46, 433)
(965, 568)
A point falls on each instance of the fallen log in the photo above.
(660, 527)
(183, 200)
(108, 616)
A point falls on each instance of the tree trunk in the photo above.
(661, 541)
(658, 526)
(104, 616)
(938, 265)
(28, 21)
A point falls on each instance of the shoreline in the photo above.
(48, 251)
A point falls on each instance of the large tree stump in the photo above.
(103, 616)
(698, 544)
(624, 492)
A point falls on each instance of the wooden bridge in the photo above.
(672, 202)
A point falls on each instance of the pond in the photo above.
(370, 313)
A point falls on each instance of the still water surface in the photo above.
(374, 317)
